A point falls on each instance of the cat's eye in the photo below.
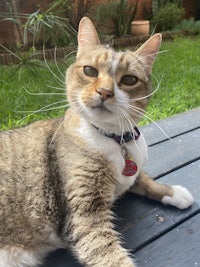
(129, 80)
(90, 71)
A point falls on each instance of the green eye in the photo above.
(90, 71)
(129, 80)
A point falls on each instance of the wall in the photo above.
(10, 34)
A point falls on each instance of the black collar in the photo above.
(125, 138)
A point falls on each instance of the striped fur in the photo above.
(60, 177)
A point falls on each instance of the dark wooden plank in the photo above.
(169, 155)
(178, 248)
(172, 126)
(61, 258)
(141, 219)
(189, 177)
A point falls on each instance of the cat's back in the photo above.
(26, 144)
(25, 182)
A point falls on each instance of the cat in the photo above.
(60, 177)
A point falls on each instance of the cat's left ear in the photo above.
(87, 35)
(149, 50)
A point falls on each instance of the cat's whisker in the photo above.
(128, 120)
(51, 71)
(138, 110)
(56, 132)
(41, 109)
(44, 93)
(137, 60)
(59, 107)
(55, 61)
(68, 56)
(121, 125)
(132, 124)
(152, 93)
(155, 54)
(56, 88)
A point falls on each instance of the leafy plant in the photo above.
(157, 4)
(167, 17)
(81, 8)
(24, 60)
(120, 13)
(47, 28)
(189, 25)
(50, 27)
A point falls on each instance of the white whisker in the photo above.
(55, 87)
(59, 107)
(142, 112)
(55, 61)
(121, 125)
(51, 71)
(41, 109)
(132, 124)
(67, 57)
(30, 93)
(56, 132)
(152, 93)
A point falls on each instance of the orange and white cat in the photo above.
(60, 177)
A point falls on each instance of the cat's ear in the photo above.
(149, 50)
(87, 35)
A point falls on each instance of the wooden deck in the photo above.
(157, 235)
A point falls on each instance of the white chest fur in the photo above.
(112, 151)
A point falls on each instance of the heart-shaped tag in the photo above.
(130, 168)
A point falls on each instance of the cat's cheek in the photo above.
(121, 98)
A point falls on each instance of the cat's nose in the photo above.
(104, 93)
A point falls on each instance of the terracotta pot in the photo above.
(140, 27)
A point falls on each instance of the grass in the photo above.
(28, 99)
(178, 70)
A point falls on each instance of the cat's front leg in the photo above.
(174, 195)
(95, 243)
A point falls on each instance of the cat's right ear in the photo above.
(150, 49)
(87, 35)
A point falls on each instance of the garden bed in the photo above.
(8, 58)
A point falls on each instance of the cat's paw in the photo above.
(181, 199)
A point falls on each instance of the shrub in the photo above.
(167, 17)
(50, 27)
(120, 13)
(189, 25)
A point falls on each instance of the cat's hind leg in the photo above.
(174, 195)
(13, 256)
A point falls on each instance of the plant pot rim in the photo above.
(137, 22)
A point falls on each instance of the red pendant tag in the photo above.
(130, 168)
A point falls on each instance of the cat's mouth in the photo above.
(101, 107)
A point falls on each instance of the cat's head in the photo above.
(110, 89)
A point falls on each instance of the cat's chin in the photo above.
(96, 115)
(101, 109)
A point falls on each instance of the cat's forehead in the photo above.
(108, 58)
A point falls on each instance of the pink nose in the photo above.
(104, 93)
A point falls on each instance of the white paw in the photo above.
(181, 199)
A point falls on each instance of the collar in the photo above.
(125, 138)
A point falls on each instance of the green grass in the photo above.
(178, 70)
(21, 99)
